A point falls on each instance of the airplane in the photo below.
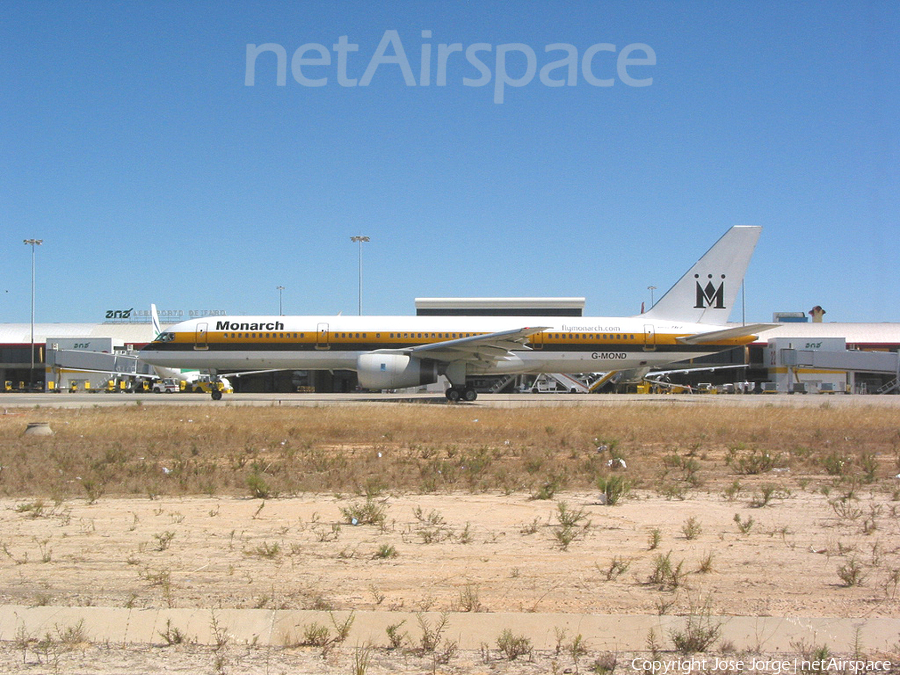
(193, 379)
(392, 352)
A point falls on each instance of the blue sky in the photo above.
(132, 146)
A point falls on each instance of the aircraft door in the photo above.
(649, 337)
(201, 336)
(322, 337)
(537, 340)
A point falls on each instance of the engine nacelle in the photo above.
(394, 371)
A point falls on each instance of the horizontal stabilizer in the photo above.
(726, 334)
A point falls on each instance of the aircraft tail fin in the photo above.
(707, 292)
(154, 317)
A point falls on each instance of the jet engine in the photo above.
(394, 371)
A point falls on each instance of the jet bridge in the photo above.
(803, 365)
(90, 364)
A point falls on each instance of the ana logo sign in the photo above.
(119, 313)
(709, 295)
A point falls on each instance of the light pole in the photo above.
(280, 306)
(651, 289)
(32, 243)
(360, 239)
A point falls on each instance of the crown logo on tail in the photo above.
(710, 295)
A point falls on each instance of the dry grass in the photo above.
(150, 450)
(791, 512)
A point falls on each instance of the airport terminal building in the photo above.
(799, 356)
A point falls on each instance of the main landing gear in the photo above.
(455, 394)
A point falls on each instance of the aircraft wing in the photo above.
(697, 369)
(488, 347)
(251, 372)
(727, 333)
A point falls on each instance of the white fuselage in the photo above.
(567, 345)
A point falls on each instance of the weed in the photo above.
(371, 512)
(432, 528)
(342, 629)
(836, 464)
(892, 580)
(315, 635)
(706, 563)
(23, 641)
(672, 490)
(469, 600)
(163, 539)
(172, 635)
(732, 491)
(531, 527)
(845, 509)
(258, 486)
(444, 656)
(385, 552)
(851, 573)
(431, 633)
(46, 551)
(700, 631)
(763, 495)
(653, 645)
(395, 637)
(513, 646)
(654, 538)
(605, 664)
(613, 488)
(259, 509)
(323, 533)
(485, 649)
(813, 658)
(691, 528)
(361, 658)
(869, 465)
(93, 490)
(266, 550)
(744, 525)
(577, 649)
(570, 525)
(616, 567)
(750, 462)
(666, 576)
(34, 509)
(568, 518)
(549, 488)
(161, 578)
(663, 604)
(73, 636)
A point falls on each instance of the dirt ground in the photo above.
(762, 534)
(798, 556)
(438, 552)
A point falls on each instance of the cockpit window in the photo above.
(165, 337)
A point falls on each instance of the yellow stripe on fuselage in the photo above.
(412, 338)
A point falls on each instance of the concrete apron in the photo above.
(265, 627)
